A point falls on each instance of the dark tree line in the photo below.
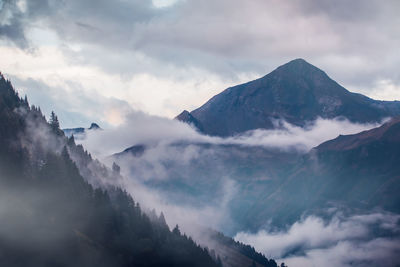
(244, 249)
(51, 216)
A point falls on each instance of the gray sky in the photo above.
(95, 60)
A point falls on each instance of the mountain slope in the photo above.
(296, 92)
(359, 171)
(204, 173)
(51, 216)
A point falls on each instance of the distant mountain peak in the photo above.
(297, 63)
(300, 68)
(80, 131)
(297, 92)
(94, 126)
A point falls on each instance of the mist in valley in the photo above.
(204, 182)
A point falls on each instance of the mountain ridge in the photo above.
(347, 142)
(80, 132)
(296, 92)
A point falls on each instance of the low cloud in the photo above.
(301, 138)
(191, 217)
(359, 240)
(174, 151)
(141, 128)
(173, 148)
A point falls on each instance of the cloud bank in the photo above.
(140, 128)
(359, 240)
(175, 152)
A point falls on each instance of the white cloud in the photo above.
(385, 90)
(341, 241)
(304, 139)
(140, 128)
(159, 95)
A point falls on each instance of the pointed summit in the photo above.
(298, 62)
(300, 66)
(94, 126)
(299, 71)
(297, 92)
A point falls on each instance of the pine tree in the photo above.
(162, 221)
(71, 141)
(55, 125)
(176, 230)
(26, 101)
(116, 168)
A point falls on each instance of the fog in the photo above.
(359, 240)
(141, 128)
(176, 152)
(201, 172)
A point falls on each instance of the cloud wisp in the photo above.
(174, 151)
(140, 128)
(358, 240)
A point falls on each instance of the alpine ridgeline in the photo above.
(296, 92)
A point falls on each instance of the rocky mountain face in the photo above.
(296, 92)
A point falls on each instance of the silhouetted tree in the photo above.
(116, 168)
(176, 230)
(54, 123)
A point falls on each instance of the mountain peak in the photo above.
(297, 92)
(299, 67)
(297, 61)
(94, 126)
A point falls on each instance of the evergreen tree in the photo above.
(116, 168)
(54, 124)
(176, 230)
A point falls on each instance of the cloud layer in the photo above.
(359, 240)
(140, 128)
(342, 240)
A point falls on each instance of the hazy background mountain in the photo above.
(80, 132)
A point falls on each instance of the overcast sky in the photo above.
(96, 60)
